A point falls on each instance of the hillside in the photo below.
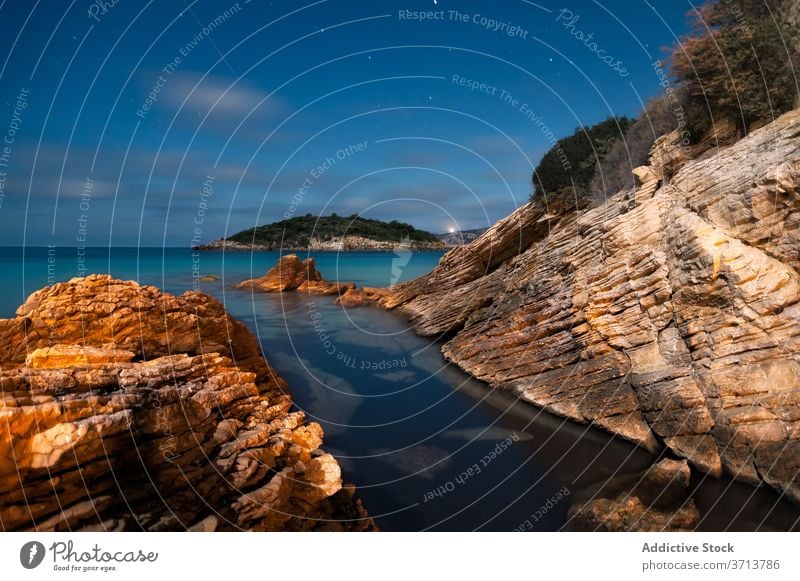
(461, 237)
(330, 233)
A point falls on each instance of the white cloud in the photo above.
(220, 95)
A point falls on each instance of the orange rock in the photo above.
(139, 410)
(291, 273)
(359, 297)
(61, 356)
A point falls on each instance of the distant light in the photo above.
(451, 230)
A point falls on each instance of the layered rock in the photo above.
(361, 296)
(670, 315)
(292, 274)
(124, 408)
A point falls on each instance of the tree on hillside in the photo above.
(615, 171)
(573, 160)
(739, 65)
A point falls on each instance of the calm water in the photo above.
(428, 447)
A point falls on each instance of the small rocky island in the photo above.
(330, 233)
(125, 408)
(292, 274)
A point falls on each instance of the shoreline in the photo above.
(321, 250)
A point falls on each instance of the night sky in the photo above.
(155, 123)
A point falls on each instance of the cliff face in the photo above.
(124, 408)
(669, 316)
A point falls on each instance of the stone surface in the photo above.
(654, 500)
(124, 408)
(670, 315)
(359, 297)
(292, 274)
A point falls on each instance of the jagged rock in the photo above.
(136, 409)
(654, 500)
(670, 315)
(293, 274)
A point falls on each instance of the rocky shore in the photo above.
(340, 244)
(125, 408)
(669, 316)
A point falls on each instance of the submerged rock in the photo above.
(670, 315)
(124, 408)
(654, 500)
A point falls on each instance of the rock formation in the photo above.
(670, 315)
(292, 274)
(359, 297)
(124, 408)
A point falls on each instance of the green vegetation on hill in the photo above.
(614, 173)
(738, 68)
(572, 162)
(297, 232)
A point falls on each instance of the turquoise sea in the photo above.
(428, 447)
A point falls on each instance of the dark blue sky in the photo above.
(271, 99)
